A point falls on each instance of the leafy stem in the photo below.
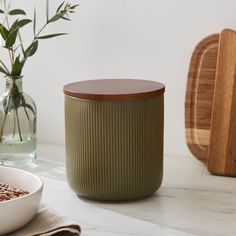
(18, 124)
(5, 118)
(10, 33)
(6, 9)
(2, 127)
(60, 14)
(5, 67)
(13, 101)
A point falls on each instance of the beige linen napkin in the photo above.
(48, 223)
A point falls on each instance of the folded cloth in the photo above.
(48, 223)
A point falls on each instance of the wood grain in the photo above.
(114, 89)
(199, 96)
(222, 148)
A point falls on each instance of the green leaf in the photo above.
(58, 16)
(4, 32)
(74, 6)
(47, 10)
(14, 25)
(2, 70)
(11, 39)
(50, 36)
(1, 11)
(16, 96)
(23, 22)
(17, 12)
(7, 103)
(20, 23)
(34, 27)
(59, 8)
(55, 18)
(17, 67)
(26, 105)
(21, 44)
(31, 50)
(64, 18)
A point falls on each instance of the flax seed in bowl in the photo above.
(20, 196)
(8, 193)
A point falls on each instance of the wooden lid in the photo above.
(114, 89)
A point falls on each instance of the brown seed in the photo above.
(7, 192)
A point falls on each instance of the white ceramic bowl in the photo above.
(17, 212)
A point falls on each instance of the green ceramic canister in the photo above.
(114, 138)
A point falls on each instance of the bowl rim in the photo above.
(29, 194)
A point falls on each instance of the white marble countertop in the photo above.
(189, 202)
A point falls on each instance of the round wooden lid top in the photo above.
(114, 89)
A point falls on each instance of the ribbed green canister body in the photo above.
(114, 149)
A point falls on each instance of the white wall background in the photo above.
(150, 39)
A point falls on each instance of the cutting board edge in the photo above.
(195, 149)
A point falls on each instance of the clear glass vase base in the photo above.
(17, 160)
(17, 154)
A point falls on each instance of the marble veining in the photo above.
(95, 220)
(189, 202)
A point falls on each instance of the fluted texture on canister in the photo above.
(114, 149)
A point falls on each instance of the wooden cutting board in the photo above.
(199, 96)
(222, 148)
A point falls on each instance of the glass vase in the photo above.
(17, 125)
